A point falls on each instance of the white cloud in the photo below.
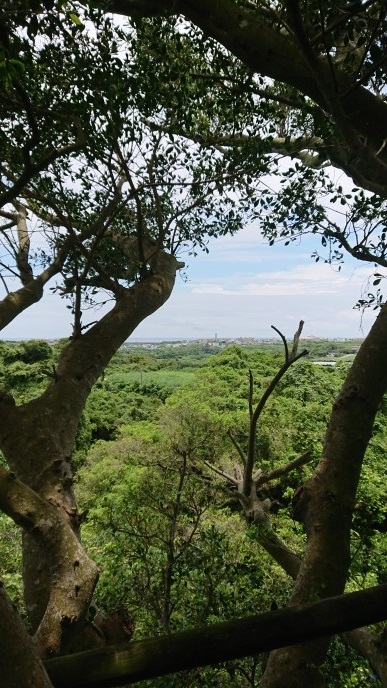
(317, 278)
(225, 295)
(199, 315)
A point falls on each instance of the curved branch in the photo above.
(73, 574)
(251, 37)
(284, 342)
(372, 648)
(18, 301)
(360, 252)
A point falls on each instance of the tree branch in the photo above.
(237, 447)
(283, 470)
(144, 659)
(223, 474)
(289, 360)
(32, 169)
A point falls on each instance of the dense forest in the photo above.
(157, 453)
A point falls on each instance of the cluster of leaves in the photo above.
(25, 368)
(130, 99)
(260, 127)
(166, 546)
(106, 177)
(163, 135)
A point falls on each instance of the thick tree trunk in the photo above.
(16, 643)
(37, 437)
(327, 500)
(357, 114)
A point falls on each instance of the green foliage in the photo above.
(232, 356)
(28, 351)
(130, 151)
(166, 545)
(10, 561)
(174, 549)
(170, 542)
(25, 367)
(193, 423)
(344, 668)
(125, 394)
(256, 123)
(35, 350)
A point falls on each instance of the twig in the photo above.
(284, 342)
(237, 447)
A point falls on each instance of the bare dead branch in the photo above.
(296, 340)
(237, 447)
(223, 474)
(251, 391)
(283, 340)
(283, 470)
(250, 460)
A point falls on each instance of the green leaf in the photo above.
(74, 17)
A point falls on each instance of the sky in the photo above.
(241, 288)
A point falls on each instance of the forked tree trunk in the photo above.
(37, 439)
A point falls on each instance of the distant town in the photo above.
(218, 342)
